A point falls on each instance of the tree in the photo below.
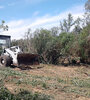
(41, 40)
(66, 25)
(77, 29)
(54, 31)
(87, 13)
(4, 27)
(28, 42)
(87, 6)
(84, 45)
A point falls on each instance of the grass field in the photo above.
(51, 82)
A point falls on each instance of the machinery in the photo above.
(15, 56)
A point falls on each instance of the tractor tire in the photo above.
(5, 61)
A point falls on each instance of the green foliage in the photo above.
(51, 47)
(4, 27)
(81, 83)
(22, 95)
(60, 47)
(61, 80)
(6, 95)
(44, 85)
(87, 13)
(87, 5)
(41, 39)
(66, 25)
(69, 41)
(84, 44)
(66, 40)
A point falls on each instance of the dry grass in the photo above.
(61, 83)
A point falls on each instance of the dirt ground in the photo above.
(59, 82)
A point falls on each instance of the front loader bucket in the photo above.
(28, 59)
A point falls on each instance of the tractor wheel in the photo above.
(5, 60)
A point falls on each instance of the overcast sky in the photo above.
(20, 15)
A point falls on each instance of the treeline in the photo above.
(67, 44)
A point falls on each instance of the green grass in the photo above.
(61, 80)
(44, 85)
(9, 72)
(80, 91)
(23, 78)
(85, 83)
(22, 95)
(74, 85)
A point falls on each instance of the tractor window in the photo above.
(2, 42)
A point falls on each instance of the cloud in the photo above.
(1, 7)
(11, 4)
(35, 13)
(17, 28)
(33, 1)
(30, 2)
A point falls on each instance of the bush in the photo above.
(84, 44)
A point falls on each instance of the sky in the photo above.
(20, 15)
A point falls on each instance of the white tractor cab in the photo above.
(5, 42)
